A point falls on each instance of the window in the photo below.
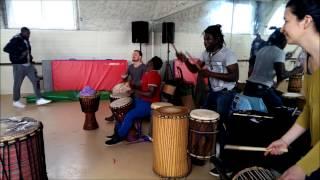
(42, 14)
(276, 19)
(241, 22)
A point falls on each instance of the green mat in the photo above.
(65, 96)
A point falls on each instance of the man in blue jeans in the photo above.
(219, 64)
(148, 92)
(269, 62)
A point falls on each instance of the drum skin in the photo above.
(170, 139)
(255, 173)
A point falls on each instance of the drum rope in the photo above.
(199, 132)
(18, 152)
(168, 117)
(30, 154)
(2, 160)
(8, 151)
(43, 157)
(38, 158)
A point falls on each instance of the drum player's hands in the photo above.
(182, 57)
(276, 147)
(205, 73)
(293, 173)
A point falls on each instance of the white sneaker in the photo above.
(42, 101)
(18, 104)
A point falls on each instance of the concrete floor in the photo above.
(73, 153)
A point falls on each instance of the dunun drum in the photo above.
(90, 105)
(254, 173)
(170, 139)
(202, 133)
(22, 154)
(295, 83)
(155, 106)
(119, 109)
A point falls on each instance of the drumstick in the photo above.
(249, 148)
(193, 60)
(174, 47)
(252, 115)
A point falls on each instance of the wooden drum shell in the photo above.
(295, 83)
(170, 139)
(202, 138)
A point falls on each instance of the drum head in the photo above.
(121, 102)
(204, 114)
(121, 88)
(291, 95)
(157, 105)
(118, 96)
(13, 128)
(172, 110)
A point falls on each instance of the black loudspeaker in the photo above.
(168, 32)
(140, 32)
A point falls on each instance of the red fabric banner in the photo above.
(76, 74)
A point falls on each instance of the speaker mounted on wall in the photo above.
(140, 32)
(168, 32)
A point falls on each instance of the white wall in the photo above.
(50, 44)
(54, 44)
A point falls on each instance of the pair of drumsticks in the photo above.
(189, 55)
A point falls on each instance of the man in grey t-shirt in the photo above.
(269, 62)
(136, 69)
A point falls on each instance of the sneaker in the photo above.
(115, 140)
(18, 104)
(42, 101)
(110, 137)
(214, 172)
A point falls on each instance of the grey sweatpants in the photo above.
(19, 73)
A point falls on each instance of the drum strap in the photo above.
(201, 132)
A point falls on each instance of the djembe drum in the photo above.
(120, 90)
(170, 139)
(295, 83)
(22, 154)
(294, 100)
(255, 173)
(202, 135)
(119, 108)
(90, 105)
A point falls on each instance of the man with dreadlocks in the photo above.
(219, 64)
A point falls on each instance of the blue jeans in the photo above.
(220, 102)
(141, 109)
(269, 96)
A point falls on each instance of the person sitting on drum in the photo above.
(135, 70)
(269, 59)
(302, 27)
(148, 93)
